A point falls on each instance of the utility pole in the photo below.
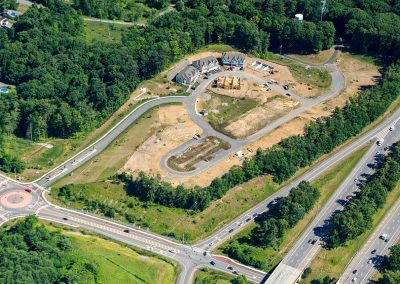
(323, 7)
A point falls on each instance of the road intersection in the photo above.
(189, 257)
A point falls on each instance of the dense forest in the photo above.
(357, 215)
(30, 253)
(391, 267)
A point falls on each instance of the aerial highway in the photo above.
(309, 244)
(364, 265)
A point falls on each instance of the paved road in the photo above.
(363, 266)
(303, 252)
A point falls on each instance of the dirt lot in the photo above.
(262, 115)
(283, 75)
(176, 129)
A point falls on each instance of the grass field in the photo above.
(333, 262)
(118, 263)
(104, 32)
(223, 110)
(177, 223)
(208, 276)
(315, 58)
(327, 184)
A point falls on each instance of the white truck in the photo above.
(384, 237)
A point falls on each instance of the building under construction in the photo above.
(229, 83)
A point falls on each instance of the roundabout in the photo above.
(16, 199)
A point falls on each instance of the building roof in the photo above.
(206, 61)
(234, 57)
(188, 73)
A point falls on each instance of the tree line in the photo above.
(30, 253)
(284, 213)
(357, 215)
(391, 267)
(282, 160)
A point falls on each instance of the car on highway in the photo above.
(235, 272)
(212, 262)
(373, 251)
(380, 142)
(229, 268)
(255, 215)
(28, 190)
(204, 253)
(354, 280)
(65, 218)
(287, 94)
(248, 219)
(126, 231)
(384, 237)
(370, 261)
(349, 197)
(354, 271)
(230, 231)
(391, 128)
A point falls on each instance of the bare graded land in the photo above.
(315, 58)
(240, 113)
(155, 126)
(176, 128)
(203, 151)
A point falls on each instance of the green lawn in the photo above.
(217, 48)
(333, 262)
(208, 276)
(104, 32)
(327, 184)
(118, 263)
(223, 110)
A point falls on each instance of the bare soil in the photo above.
(261, 116)
(176, 129)
(283, 75)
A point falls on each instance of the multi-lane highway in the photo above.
(309, 244)
(364, 265)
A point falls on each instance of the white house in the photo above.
(206, 64)
(188, 75)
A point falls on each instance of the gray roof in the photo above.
(188, 73)
(233, 57)
(206, 61)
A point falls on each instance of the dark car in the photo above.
(229, 268)
(126, 231)
(248, 219)
(28, 190)
(65, 218)
(313, 241)
(373, 251)
(289, 95)
(205, 253)
(230, 231)
(212, 262)
(235, 272)
(354, 271)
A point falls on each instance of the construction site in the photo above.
(228, 83)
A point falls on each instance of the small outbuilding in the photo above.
(299, 17)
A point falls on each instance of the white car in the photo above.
(354, 280)
(391, 128)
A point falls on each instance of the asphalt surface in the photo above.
(364, 265)
(303, 252)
